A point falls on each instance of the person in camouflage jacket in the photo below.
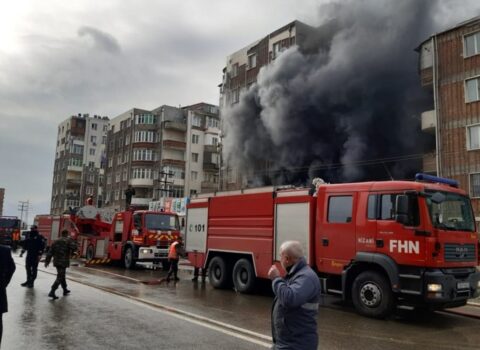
(61, 250)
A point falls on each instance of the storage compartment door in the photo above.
(292, 224)
(196, 232)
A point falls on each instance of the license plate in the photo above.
(463, 285)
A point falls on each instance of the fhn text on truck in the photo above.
(379, 244)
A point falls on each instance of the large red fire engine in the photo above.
(132, 236)
(379, 244)
(50, 226)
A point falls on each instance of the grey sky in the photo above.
(59, 58)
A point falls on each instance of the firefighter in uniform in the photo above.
(34, 246)
(61, 251)
(176, 249)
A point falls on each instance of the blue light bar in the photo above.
(436, 179)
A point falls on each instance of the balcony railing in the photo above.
(174, 144)
(174, 162)
(207, 185)
(211, 149)
(175, 126)
(141, 182)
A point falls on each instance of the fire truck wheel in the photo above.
(244, 276)
(218, 273)
(89, 255)
(128, 260)
(372, 295)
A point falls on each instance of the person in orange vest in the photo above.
(176, 249)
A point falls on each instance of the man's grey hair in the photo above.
(292, 248)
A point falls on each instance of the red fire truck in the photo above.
(132, 236)
(10, 230)
(50, 226)
(378, 244)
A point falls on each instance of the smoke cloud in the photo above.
(345, 106)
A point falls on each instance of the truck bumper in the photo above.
(152, 254)
(450, 287)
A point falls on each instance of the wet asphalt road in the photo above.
(133, 326)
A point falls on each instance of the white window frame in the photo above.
(467, 131)
(252, 57)
(477, 46)
(194, 157)
(477, 78)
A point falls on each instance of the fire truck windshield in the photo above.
(453, 212)
(9, 223)
(161, 222)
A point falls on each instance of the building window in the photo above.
(212, 122)
(141, 173)
(234, 70)
(125, 157)
(195, 138)
(104, 140)
(473, 137)
(475, 185)
(89, 190)
(109, 179)
(472, 44)
(77, 149)
(93, 139)
(276, 49)
(117, 176)
(94, 126)
(127, 140)
(195, 157)
(193, 192)
(117, 194)
(175, 172)
(252, 61)
(145, 119)
(119, 159)
(92, 151)
(91, 178)
(194, 175)
(105, 128)
(125, 174)
(197, 121)
(235, 95)
(471, 90)
(143, 154)
(110, 162)
(144, 136)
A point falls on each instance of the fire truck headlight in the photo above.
(145, 251)
(434, 287)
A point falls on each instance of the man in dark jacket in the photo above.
(295, 307)
(61, 250)
(34, 245)
(7, 268)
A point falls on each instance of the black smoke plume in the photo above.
(344, 106)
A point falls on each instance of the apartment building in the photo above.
(79, 160)
(241, 72)
(155, 153)
(449, 64)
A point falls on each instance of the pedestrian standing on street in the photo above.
(7, 268)
(174, 252)
(61, 250)
(197, 273)
(34, 246)
(295, 307)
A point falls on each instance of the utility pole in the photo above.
(24, 207)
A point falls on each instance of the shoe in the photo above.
(52, 295)
(195, 279)
(30, 285)
(66, 291)
(177, 279)
(167, 279)
(24, 284)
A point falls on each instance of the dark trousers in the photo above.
(1, 328)
(60, 281)
(31, 265)
(173, 268)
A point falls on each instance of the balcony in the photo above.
(429, 163)
(73, 183)
(171, 144)
(141, 182)
(74, 168)
(429, 121)
(141, 201)
(174, 162)
(211, 149)
(210, 166)
(170, 125)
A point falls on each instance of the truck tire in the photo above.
(244, 276)
(218, 274)
(372, 295)
(128, 258)
(90, 254)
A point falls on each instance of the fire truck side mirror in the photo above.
(402, 209)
